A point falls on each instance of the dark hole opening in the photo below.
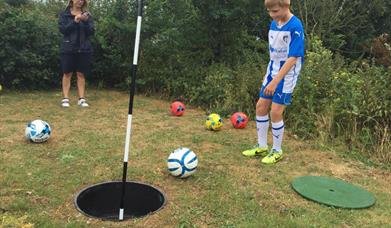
(103, 200)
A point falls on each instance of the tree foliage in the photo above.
(28, 48)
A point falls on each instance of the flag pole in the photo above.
(132, 92)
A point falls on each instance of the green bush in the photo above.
(312, 93)
(362, 103)
(16, 3)
(336, 101)
(113, 44)
(225, 90)
(29, 49)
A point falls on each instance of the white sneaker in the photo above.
(82, 102)
(65, 102)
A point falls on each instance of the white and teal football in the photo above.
(38, 131)
(182, 162)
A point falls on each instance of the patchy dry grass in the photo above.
(39, 181)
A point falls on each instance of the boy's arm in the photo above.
(269, 90)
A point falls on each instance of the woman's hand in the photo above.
(84, 16)
(77, 18)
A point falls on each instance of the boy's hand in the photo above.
(271, 88)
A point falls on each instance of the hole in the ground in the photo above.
(103, 200)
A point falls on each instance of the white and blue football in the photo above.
(182, 162)
(38, 131)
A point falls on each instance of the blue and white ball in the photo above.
(182, 162)
(38, 131)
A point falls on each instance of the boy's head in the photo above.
(280, 3)
(278, 9)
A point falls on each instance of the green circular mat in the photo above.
(333, 192)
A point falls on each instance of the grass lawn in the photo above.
(38, 182)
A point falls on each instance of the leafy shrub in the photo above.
(114, 45)
(16, 3)
(226, 91)
(351, 103)
(29, 53)
(362, 103)
(312, 92)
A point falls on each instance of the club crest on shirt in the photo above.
(285, 38)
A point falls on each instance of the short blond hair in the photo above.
(272, 3)
(70, 4)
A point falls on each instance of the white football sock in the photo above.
(278, 132)
(262, 129)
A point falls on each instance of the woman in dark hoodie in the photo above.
(77, 26)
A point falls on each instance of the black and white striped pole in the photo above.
(120, 200)
(130, 112)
